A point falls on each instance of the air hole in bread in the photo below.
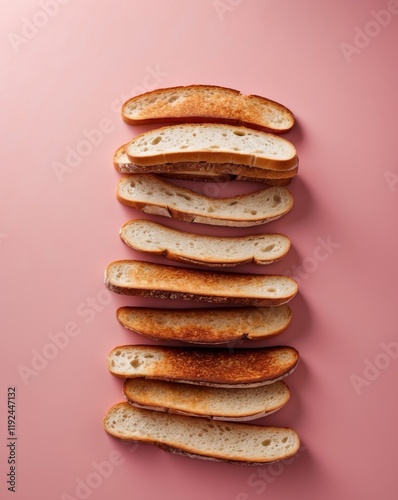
(185, 196)
(132, 184)
(118, 353)
(135, 363)
(232, 203)
(184, 146)
(156, 140)
(284, 439)
(149, 356)
(236, 149)
(210, 209)
(268, 248)
(271, 289)
(277, 199)
(240, 133)
(266, 442)
(173, 98)
(214, 146)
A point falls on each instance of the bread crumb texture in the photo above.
(202, 100)
(230, 441)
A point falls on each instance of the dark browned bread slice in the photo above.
(213, 367)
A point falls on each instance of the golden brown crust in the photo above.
(210, 402)
(205, 325)
(210, 366)
(219, 287)
(226, 105)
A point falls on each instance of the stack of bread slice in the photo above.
(196, 399)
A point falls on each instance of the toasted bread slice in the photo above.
(212, 143)
(212, 251)
(198, 103)
(192, 172)
(213, 367)
(133, 277)
(153, 195)
(203, 171)
(200, 176)
(206, 326)
(211, 402)
(233, 442)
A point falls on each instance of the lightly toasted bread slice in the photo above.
(201, 103)
(211, 402)
(212, 251)
(212, 143)
(235, 405)
(206, 325)
(209, 366)
(204, 171)
(123, 165)
(150, 194)
(134, 277)
(235, 442)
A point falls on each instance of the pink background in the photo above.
(65, 74)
